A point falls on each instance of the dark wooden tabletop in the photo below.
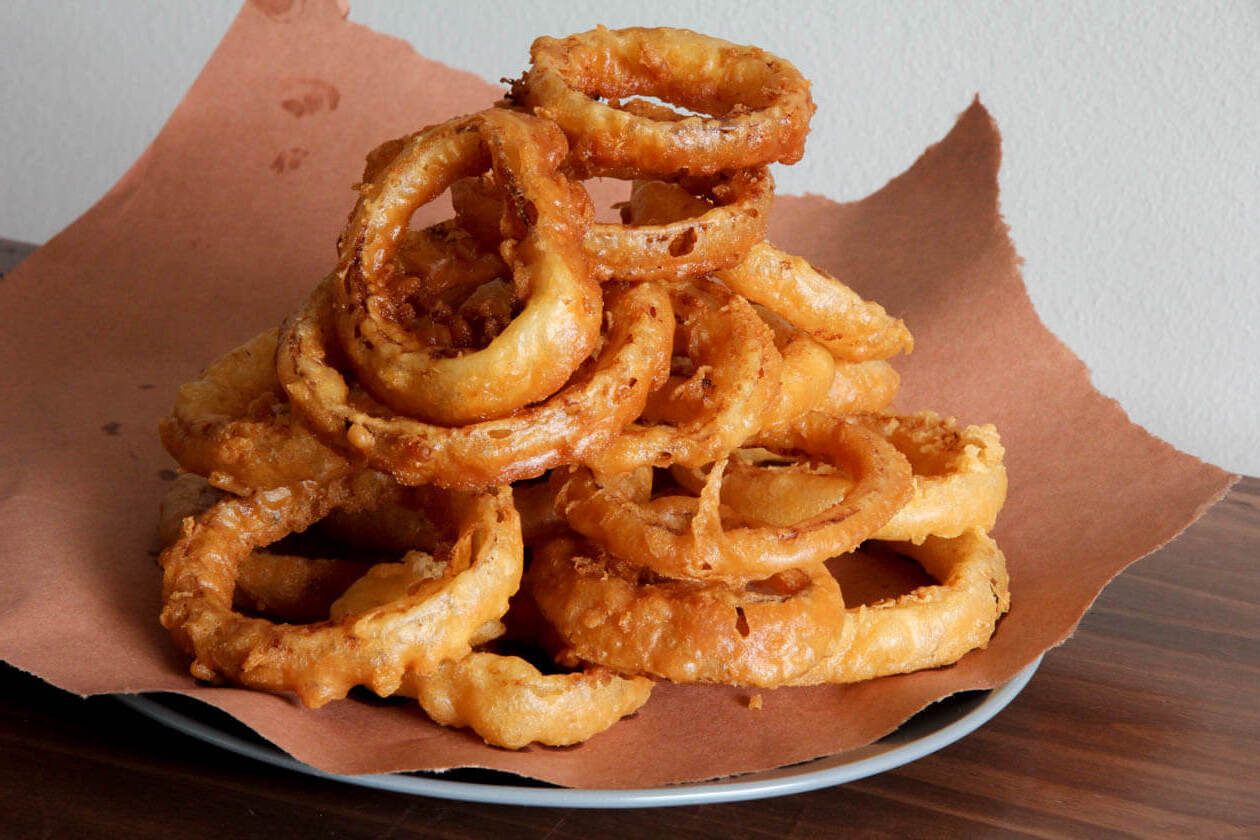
(1146, 723)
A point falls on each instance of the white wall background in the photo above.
(1131, 171)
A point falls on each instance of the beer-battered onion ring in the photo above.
(860, 388)
(737, 369)
(439, 264)
(719, 237)
(323, 661)
(853, 329)
(702, 548)
(289, 587)
(479, 207)
(614, 614)
(536, 503)
(579, 421)
(930, 626)
(233, 425)
(716, 235)
(559, 323)
(804, 382)
(754, 108)
(959, 480)
(510, 703)
(504, 699)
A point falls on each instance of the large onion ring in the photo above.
(504, 699)
(737, 368)
(759, 104)
(511, 704)
(577, 422)
(322, 662)
(684, 630)
(543, 345)
(930, 626)
(959, 480)
(704, 549)
(233, 425)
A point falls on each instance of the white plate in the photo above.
(935, 727)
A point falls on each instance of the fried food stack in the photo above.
(628, 451)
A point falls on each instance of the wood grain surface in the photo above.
(1145, 723)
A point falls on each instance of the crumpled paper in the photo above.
(227, 220)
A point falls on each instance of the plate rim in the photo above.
(693, 793)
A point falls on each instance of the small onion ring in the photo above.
(806, 380)
(577, 422)
(543, 345)
(759, 105)
(292, 588)
(511, 704)
(930, 626)
(536, 503)
(737, 367)
(444, 260)
(853, 329)
(713, 236)
(959, 480)
(322, 662)
(233, 425)
(684, 630)
(705, 550)
(860, 388)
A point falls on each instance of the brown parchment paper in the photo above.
(226, 221)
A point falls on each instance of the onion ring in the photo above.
(322, 662)
(758, 105)
(853, 329)
(234, 426)
(509, 703)
(289, 587)
(806, 380)
(687, 631)
(713, 235)
(543, 345)
(577, 422)
(441, 259)
(736, 368)
(702, 548)
(536, 503)
(860, 388)
(504, 699)
(931, 626)
(959, 480)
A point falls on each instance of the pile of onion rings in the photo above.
(521, 464)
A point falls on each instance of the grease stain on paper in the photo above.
(304, 97)
(287, 160)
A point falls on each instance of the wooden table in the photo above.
(1146, 723)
